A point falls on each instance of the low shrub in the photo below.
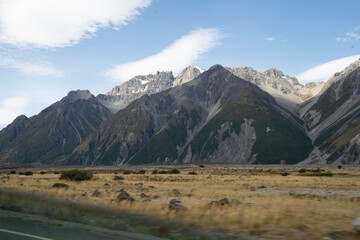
(12, 172)
(155, 171)
(284, 174)
(28, 173)
(42, 172)
(201, 166)
(192, 173)
(76, 175)
(126, 172)
(318, 174)
(339, 167)
(171, 171)
(118, 177)
(303, 170)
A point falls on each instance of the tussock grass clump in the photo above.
(192, 173)
(76, 175)
(12, 172)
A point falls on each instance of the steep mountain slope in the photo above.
(287, 91)
(54, 132)
(333, 118)
(216, 117)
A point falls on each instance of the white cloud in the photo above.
(61, 23)
(10, 108)
(324, 71)
(352, 35)
(175, 57)
(270, 39)
(30, 68)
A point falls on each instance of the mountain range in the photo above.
(222, 115)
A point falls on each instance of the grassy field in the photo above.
(273, 203)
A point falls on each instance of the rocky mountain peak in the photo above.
(188, 74)
(274, 73)
(79, 94)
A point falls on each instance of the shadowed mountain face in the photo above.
(54, 132)
(216, 118)
(333, 118)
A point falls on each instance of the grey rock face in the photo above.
(287, 90)
(188, 74)
(120, 96)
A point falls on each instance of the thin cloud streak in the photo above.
(31, 68)
(326, 70)
(183, 52)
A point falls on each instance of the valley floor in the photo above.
(244, 202)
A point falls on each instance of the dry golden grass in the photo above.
(262, 202)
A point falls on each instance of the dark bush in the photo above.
(339, 167)
(303, 170)
(163, 172)
(319, 174)
(192, 173)
(174, 171)
(201, 166)
(118, 178)
(42, 172)
(12, 172)
(285, 174)
(141, 172)
(76, 175)
(28, 173)
(128, 172)
(316, 170)
(155, 171)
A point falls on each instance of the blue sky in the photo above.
(48, 48)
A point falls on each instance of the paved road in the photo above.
(17, 226)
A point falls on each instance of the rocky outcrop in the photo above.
(121, 96)
(188, 74)
(287, 90)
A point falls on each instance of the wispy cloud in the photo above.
(175, 57)
(31, 68)
(62, 23)
(10, 108)
(279, 39)
(326, 70)
(352, 35)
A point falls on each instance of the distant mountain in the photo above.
(287, 91)
(120, 96)
(215, 118)
(54, 132)
(333, 119)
